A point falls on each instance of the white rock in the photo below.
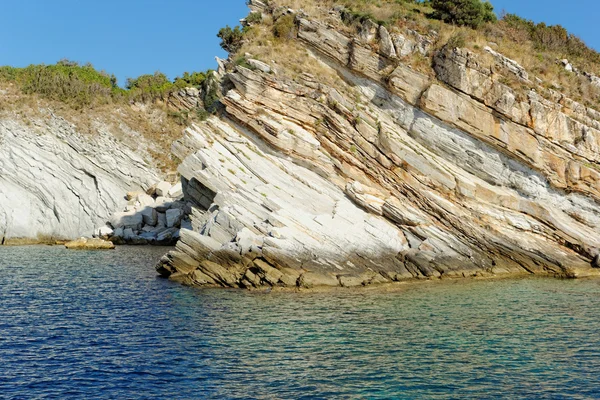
(57, 182)
(105, 231)
(145, 200)
(259, 65)
(175, 191)
(162, 188)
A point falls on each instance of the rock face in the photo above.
(388, 175)
(56, 183)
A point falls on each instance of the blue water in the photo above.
(102, 325)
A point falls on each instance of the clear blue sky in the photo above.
(134, 37)
(579, 17)
(124, 37)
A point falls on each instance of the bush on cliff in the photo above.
(285, 27)
(148, 88)
(231, 39)
(65, 81)
(471, 13)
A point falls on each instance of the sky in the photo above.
(133, 37)
(124, 37)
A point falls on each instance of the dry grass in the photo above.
(144, 128)
(289, 54)
(402, 16)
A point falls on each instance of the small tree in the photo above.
(231, 39)
(464, 12)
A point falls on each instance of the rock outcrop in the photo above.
(89, 244)
(389, 174)
(57, 183)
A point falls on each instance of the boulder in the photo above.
(144, 200)
(175, 191)
(386, 46)
(128, 234)
(150, 216)
(162, 188)
(132, 195)
(162, 204)
(89, 244)
(104, 232)
(259, 65)
(127, 219)
(162, 219)
(174, 217)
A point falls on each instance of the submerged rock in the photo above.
(89, 244)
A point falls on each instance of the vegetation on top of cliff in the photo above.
(471, 13)
(539, 48)
(81, 86)
(91, 99)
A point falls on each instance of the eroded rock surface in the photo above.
(387, 175)
(56, 183)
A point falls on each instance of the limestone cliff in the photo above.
(372, 172)
(58, 183)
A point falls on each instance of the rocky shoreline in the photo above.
(388, 175)
(358, 171)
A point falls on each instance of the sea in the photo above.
(103, 325)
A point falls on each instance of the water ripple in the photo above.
(102, 325)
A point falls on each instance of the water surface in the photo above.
(102, 325)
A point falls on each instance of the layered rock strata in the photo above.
(387, 175)
(56, 183)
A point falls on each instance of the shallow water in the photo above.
(102, 325)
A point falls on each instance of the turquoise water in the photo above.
(102, 325)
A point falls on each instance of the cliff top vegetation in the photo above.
(471, 24)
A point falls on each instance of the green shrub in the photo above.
(456, 40)
(549, 38)
(350, 17)
(254, 18)
(195, 79)
(147, 88)
(65, 81)
(471, 13)
(211, 93)
(231, 39)
(285, 27)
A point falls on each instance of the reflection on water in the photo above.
(102, 325)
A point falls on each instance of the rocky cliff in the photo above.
(373, 172)
(58, 183)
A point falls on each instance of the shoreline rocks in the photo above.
(150, 218)
(89, 244)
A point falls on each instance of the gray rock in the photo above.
(150, 216)
(259, 65)
(128, 219)
(162, 204)
(174, 217)
(386, 46)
